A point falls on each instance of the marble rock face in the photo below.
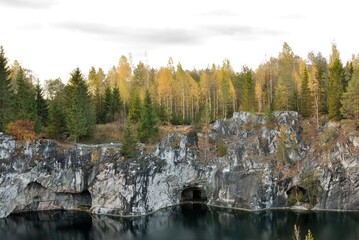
(247, 161)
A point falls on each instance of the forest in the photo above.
(142, 98)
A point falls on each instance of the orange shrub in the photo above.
(22, 129)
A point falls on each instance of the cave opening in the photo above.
(297, 194)
(193, 194)
(84, 199)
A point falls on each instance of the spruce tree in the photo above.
(116, 102)
(57, 113)
(98, 102)
(350, 99)
(25, 100)
(247, 96)
(129, 146)
(306, 99)
(334, 85)
(147, 127)
(41, 106)
(134, 112)
(106, 115)
(80, 113)
(6, 96)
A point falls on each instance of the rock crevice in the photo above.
(242, 162)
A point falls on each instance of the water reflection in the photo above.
(180, 222)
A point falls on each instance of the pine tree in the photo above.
(80, 113)
(129, 146)
(41, 106)
(306, 99)
(335, 84)
(6, 96)
(148, 122)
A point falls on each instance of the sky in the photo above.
(53, 37)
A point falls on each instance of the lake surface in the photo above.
(180, 222)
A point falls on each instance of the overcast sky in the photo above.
(52, 37)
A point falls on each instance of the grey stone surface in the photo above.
(41, 175)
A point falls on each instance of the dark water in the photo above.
(181, 222)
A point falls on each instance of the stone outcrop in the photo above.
(247, 161)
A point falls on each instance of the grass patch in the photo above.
(105, 133)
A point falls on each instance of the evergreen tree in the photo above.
(148, 122)
(41, 106)
(80, 113)
(25, 100)
(116, 102)
(286, 92)
(335, 84)
(98, 101)
(350, 99)
(281, 151)
(348, 73)
(129, 146)
(281, 100)
(6, 95)
(106, 115)
(134, 112)
(57, 113)
(306, 99)
(248, 96)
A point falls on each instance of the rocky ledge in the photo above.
(247, 161)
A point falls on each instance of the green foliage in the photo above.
(134, 112)
(334, 85)
(350, 99)
(41, 106)
(222, 148)
(309, 235)
(291, 199)
(329, 135)
(248, 95)
(160, 112)
(306, 98)
(110, 106)
(116, 102)
(6, 96)
(129, 146)
(300, 196)
(57, 113)
(311, 182)
(348, 74)
(281, 152)
(80, 114)
(147, 126)
(25, 99)
(269, 115)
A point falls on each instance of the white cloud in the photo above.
(54, 37)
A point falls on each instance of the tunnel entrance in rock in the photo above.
(193, 194)
(297, 194)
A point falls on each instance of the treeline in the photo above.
(314, 87)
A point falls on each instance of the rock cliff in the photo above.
(247, 161)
